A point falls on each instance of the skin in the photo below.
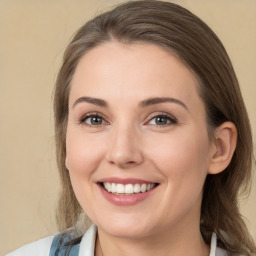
(129, 143)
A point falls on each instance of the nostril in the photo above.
(130, 162)
(124, 152)
(127, 164)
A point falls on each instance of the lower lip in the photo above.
(122, 200)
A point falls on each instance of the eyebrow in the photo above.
(143, 104)
(94, 101)
(158, 100)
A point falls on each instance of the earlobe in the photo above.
(223, 149)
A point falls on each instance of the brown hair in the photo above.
(181, 32)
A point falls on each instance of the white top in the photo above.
(42, 247)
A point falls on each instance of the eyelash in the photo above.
(170, 119)
(91, 115)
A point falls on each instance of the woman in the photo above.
(153, 139)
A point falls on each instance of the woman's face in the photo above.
(136, 123)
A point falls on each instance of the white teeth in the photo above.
(118, 188)
(108, 187)
(128, 189)
(143, 188)
(113, 188)
(136, 188)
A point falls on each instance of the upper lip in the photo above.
(125, 181)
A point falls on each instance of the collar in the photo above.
(87, 244)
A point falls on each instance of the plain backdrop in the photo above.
(33, 36)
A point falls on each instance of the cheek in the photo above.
(83, 157)
(183, 160)
(182, 157)
(83, 153)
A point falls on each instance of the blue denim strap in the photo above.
(59, 247)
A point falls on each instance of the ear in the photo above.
(224, 144)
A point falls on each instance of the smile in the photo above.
(128, 189)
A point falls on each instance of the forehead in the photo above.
(138, 70)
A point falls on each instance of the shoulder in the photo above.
(49, 245)
(40, 248)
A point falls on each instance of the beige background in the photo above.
(33, 35)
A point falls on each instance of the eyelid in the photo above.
(92, 114)
(173, 120)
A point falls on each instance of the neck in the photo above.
(186, 241)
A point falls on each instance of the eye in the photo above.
(93, 120)
(162, 120)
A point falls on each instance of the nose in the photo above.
(124, 149)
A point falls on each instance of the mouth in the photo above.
(127, 189)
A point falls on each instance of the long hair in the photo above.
(176, 29)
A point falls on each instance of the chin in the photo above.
(129, 227)
(126, 232)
